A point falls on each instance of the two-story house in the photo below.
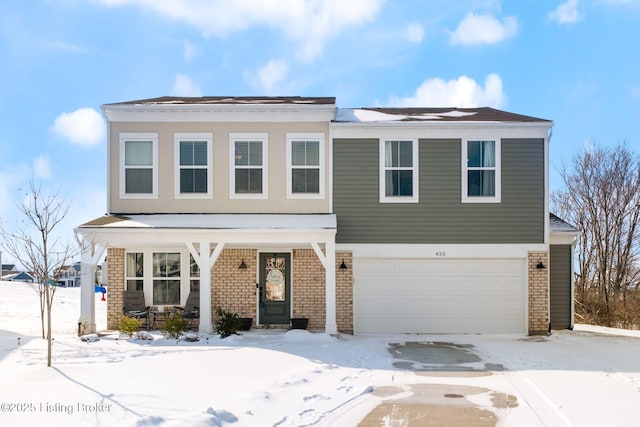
(69, 275)
(362, 220)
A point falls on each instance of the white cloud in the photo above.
(84, 127)
(184, 86)
(41, 167)
(566, 13)
(463, 92)
(415, 33)
(623, 2)
(65, 46)
(190, 50)
(483, 29)
(310, 23)
(269, 75)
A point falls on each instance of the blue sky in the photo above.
(575, 62)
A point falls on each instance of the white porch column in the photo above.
(89, 259)
(328, 260)
(331, 326)
(205, 262)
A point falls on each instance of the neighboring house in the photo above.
(69, 276)
(21, 276)
(374, 220)
(8, 269)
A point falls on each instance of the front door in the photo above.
(275, 288)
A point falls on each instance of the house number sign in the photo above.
(441, 253)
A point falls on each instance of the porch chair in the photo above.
(191, 309)
(134, 306)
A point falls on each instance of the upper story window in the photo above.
(139, 165)
(481, 171)
(194, 176)
(305, 165)
(399, 171)
(248, 165)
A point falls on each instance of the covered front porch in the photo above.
(238, 251)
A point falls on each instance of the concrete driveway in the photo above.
(571, 378)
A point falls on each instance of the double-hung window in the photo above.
(135, 271)
(248, 165)
(398, 171)
(139, 165)
(194, 177)
(305, 165)
(481, 171)
(166, 278)
(194, 274)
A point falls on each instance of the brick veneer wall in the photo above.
(115, 287)
(538, 293)
(308, 288)
(234, 288)
(344, 293)
(309, 296)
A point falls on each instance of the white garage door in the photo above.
(439, 296)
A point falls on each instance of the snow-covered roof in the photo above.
(424, 114)
(230, 100)
(558, 225)
(216, 221)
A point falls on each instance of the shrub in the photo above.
(128, 325)
(175, 326)
(227, 322)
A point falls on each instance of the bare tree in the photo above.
(602, 199)
(36, 248)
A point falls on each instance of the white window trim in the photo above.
(464, 179)
(381, 173)
(139, 136)
(261, 136)
(305, 137)
(144, 269)
(147, 278)
(179, 137)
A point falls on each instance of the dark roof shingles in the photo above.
(230, 100)
(480, 114)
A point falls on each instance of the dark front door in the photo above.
(275, 288)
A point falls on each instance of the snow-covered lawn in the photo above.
(588, 377)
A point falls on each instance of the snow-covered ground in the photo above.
(588, 377)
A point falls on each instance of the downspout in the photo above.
(547, 220)
(573, 282)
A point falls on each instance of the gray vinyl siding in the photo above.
(560, 286)
(440, 216)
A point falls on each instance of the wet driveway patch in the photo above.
(436, 405)
(425, 356)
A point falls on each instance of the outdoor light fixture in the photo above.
(243, 266)
(343, 266)
(540, 265)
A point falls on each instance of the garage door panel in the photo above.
(434, 296)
